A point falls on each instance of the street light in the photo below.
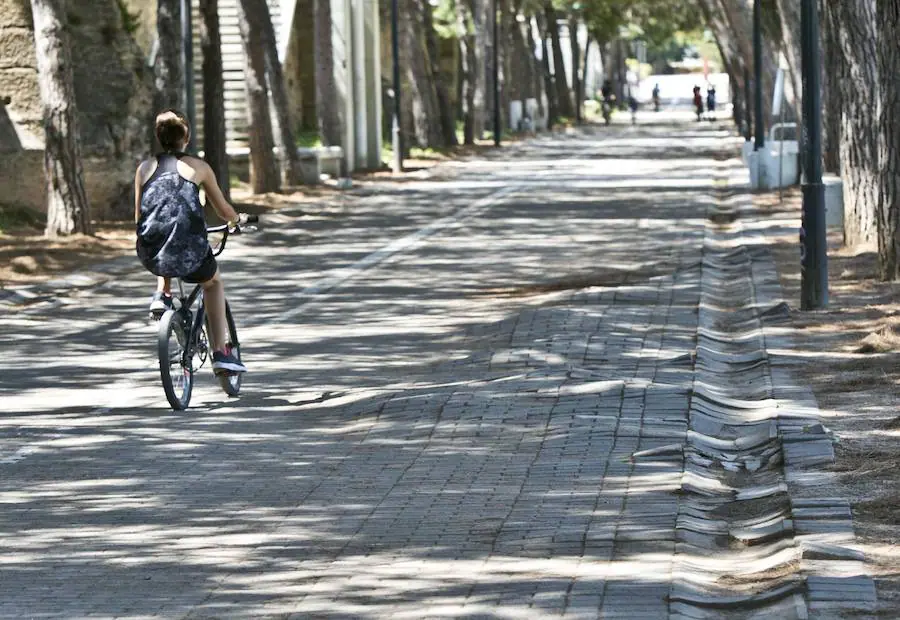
(813, 238)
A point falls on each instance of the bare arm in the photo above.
(137, 192)
(215, 195)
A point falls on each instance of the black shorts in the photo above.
(203, 273)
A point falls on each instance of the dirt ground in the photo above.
(27, 257)
(852, 362)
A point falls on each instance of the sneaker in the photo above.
(225, 363)
(160, 303)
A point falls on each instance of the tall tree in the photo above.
(68, 211)
(888, 51)
(414, 55)
(445, 105)
(858, 83)
(263, 168)
(327, 112)
(480, 25)
(467, 70)
(563, 95)
(831, 92)
(576, 64)
(289, 159)
(214, 151)
(549, 78)
(168, 67)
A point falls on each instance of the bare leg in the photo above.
(164, 285)
(214, 296)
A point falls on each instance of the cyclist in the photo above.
(171, 229)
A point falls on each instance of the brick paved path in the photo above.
(441, 428)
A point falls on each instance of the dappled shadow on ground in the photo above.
(850, 356)
(448, 429)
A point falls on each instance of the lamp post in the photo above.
(814, 253)
(396, 134)
(496, 71)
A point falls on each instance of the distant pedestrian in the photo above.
(698, 103)
(711, 99)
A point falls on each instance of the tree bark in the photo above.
(169, 67)
(888, 55)
(563, 95)
(257, 12)
(467, 73)
(263, 168)
(479, 68)
(576, 66)
(789, 14)
(831, 92)
(68, 211)
(858, 151)
(549, 87)
(445, 106)
(426, 118)
(327, 113)
(214, 151)
(538, 78)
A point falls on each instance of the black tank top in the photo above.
(171, 228)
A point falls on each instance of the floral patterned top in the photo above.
(171, 228)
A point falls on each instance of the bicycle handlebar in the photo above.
(243, 220)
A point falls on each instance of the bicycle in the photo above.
(183, 337)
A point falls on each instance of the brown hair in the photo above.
(172, 128)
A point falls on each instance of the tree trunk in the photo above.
(563, 95)
(859, 135)
(426, 118)
(289, 160)
(467, 73)
(549, 87)
(584, 70)
(576, 66)
(327, 112)
(263, 168)
(479, 101)
(888, 12)
(213, 94)
(538, 78)
(169, 67)
(831, 92)
(68, 211)
(789, 14)
(445, 106)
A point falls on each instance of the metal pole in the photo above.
(781, 144)
(496, 71)
(757, 69)
(814, 254)
(396, 133)
(187, 57)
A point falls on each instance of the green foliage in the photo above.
(130, 21)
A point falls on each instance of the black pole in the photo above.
(396, 133)
(496, 71)
(814, 254)
(187, 56)
(757, 69)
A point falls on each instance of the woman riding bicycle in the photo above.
(171, 228)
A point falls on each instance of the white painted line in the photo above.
(319, 291)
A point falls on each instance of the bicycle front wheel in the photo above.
(231, 381)
(175, 364)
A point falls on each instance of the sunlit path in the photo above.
(448, 380)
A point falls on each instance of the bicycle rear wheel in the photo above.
(231, 381)
(175, 363)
